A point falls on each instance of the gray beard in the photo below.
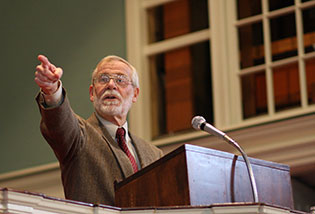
(111, 108)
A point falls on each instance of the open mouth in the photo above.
(110, 97)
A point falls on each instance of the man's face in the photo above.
(110, 97)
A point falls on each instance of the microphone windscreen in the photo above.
(197, 121)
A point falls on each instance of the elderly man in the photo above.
(96, 152)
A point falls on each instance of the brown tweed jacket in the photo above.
(90, 160)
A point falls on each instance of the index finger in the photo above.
(44, 60)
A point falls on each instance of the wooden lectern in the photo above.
(193, 175)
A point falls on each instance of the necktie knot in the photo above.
(120, 134)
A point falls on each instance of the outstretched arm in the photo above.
(59, 125)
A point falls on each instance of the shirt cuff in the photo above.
(55, 99)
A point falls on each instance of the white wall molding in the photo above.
(41, 179)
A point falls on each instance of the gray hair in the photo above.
(134, 77)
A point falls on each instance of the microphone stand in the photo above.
(248, 165)
(199, 122)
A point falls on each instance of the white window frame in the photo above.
(225, 64)
(236, 72)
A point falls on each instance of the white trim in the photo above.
(219, 79)
(139, 117)
(244, 125)
(271, 118)
(29, 171)
(309, 55)
(280, 12)
(44, 179)
(300, 49)
(284, 61)
(302, 160)
(306, 5)
(177, 42)
(233, 59)
(248, 20)
(253, 69)
(154, 3)
(268, 61)
(273, 14)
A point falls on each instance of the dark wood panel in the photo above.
(193, 175)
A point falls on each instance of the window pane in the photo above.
(254, 94)
(247, 8)
(251, 45)
(180, 88)
(310, 78)
(177, 18)
(283, 37)
(309, 29)
(278, 4)
(286, 86)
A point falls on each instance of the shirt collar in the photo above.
(112, 128)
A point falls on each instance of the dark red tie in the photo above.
(120, 135)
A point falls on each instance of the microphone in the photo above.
(200, 123)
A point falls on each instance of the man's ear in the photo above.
(91, 93)
(135, 94)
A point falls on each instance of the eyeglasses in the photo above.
(119, 79)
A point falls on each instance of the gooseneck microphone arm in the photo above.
(200, 123)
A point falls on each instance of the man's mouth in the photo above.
(110, 97)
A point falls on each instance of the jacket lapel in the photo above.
(145, 156)
(121, 158)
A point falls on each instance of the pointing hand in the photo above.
(47, 75)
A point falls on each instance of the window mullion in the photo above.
(267, 48)
(300, 44)
(220, 76)
(233, 60)
(154, 3)
(177, 42)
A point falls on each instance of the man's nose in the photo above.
(111, 84)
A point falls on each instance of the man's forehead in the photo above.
(114, 67)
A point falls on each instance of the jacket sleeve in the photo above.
(61, 127)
